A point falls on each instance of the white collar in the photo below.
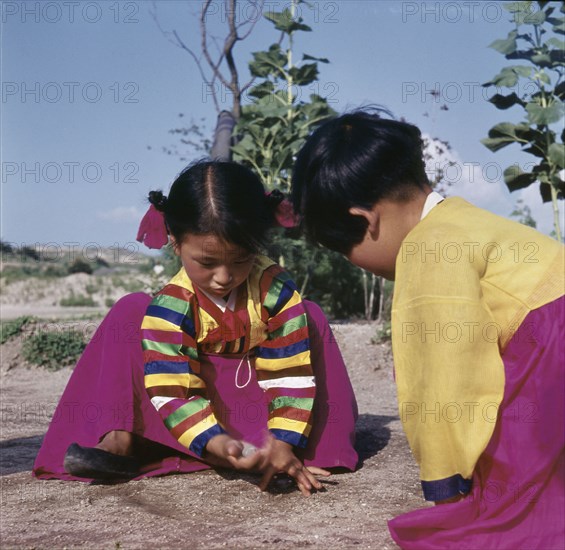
(433, 199)
(223, 304)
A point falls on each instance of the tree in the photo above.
(278, 120)
(193, 140)
(523, 214)
(218, 72)
(273, 127)
(541, 98)
(436, 154)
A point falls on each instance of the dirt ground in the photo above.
(214, 509)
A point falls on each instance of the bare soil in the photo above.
(214, 509)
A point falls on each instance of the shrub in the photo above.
(109, 302)
(6, 248)
(383, 334)
(130, 285)
(28, 252)
(12, 273)
(323, 276)
(91, 289)
(54, 271)
(10, 329)
(78, 301)
(53, 350)
(80, 266)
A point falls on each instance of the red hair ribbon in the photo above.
(152, 229)
(285, 215)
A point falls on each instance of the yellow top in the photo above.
(465, 281)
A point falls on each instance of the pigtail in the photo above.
(281, 209)
(158, 200)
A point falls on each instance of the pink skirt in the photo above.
(106, 392)
(518, 494)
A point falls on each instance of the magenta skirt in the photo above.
(518, 494)
(106, 392)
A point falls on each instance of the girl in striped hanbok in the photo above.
(225, 366)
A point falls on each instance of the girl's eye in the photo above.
(246, 259)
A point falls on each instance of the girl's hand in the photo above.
(277, 456)
(222, 450)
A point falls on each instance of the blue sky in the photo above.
(90, 91)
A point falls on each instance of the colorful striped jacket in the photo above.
(268, 319)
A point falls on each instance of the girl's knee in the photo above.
(317, 320)
(315, 313)
(131, 306)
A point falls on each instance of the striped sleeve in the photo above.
(170, 357)
(283, 360)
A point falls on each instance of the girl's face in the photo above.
(212, 264)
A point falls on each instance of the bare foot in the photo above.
(118, 442)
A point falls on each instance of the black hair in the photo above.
(354, 160)
(222, 198)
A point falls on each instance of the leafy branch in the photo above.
(543, 107)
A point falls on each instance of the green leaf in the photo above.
(542, 76)
(545, 115)
(505, 45)
(273, 110)
(261, 90)
(509, 76)
(535, 18)
(500, 136)
(505, 101)
(557, 57)
(284, 21)
(514, 7)
(559, 184)
(268, 63)
(541, 59)
(521, 70)
(558, 24)
(515, 178)
(306, 57)
(556, 43)
(556, 153)
(545, 192)
(525, 132)
(304, 75)
(560, 90)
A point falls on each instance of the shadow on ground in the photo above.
(371, 435)
(18, 455)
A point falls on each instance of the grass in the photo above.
(53, 350)
(77, 301)
(10, 329)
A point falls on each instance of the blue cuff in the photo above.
(198, 444)
(446, 488)
(293, 438)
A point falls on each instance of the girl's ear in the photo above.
(372, 217)
(175, 245)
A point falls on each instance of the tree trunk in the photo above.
(365, 292)
(372, 297)
(221, 150)
(381, 299)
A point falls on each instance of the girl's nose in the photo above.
(223, 276)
